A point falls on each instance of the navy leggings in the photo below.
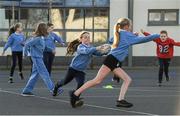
(163, 67)
(16, 56)
(48, 58)
(71, 74)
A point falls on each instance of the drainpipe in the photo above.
(130, 16)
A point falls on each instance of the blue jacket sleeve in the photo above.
(26, 50)
(48, 47)
(9, 43)
(85, 50)
(133, 39)
(97, 53)
(28, 44)
(58, 39)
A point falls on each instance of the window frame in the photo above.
(162, 21)
(64, 30)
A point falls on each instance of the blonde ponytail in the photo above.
(121, 23)
(116, 36)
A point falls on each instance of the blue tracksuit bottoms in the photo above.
(38, 69)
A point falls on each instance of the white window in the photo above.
(163, 17)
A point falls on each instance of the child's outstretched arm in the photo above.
(98, 53)
(8, 44)
(145, 33)
(102, 50)
(175, 43)
(85, 50)
(59, 39)
(133, 39)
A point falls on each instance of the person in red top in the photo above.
(164, 51)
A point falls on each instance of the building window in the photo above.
(95, 21)
(69, 17)
(74, 18)
(34, 16)
(101, 18)
(67, 21)
(56, 17)
(163, 17)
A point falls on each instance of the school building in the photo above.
(97, 16)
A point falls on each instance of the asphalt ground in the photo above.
(148, 98)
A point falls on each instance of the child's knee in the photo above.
(128, 80)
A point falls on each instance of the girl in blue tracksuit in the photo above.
(84, 53)
(16, 42)
(36, 47)
(123, 39)
(49, 52)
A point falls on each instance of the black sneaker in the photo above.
(124, 103)
(10, 80)
(27, 94)
(57, 90)
(75, 101)
(21, 75)
(116, 79)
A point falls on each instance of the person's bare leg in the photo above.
(126, 82)
(103, 71)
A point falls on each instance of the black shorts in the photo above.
(111, 62)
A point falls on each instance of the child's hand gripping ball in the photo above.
(104, 49)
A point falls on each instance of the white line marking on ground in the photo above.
(130, 89)
(112, 96)
(94, 106)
